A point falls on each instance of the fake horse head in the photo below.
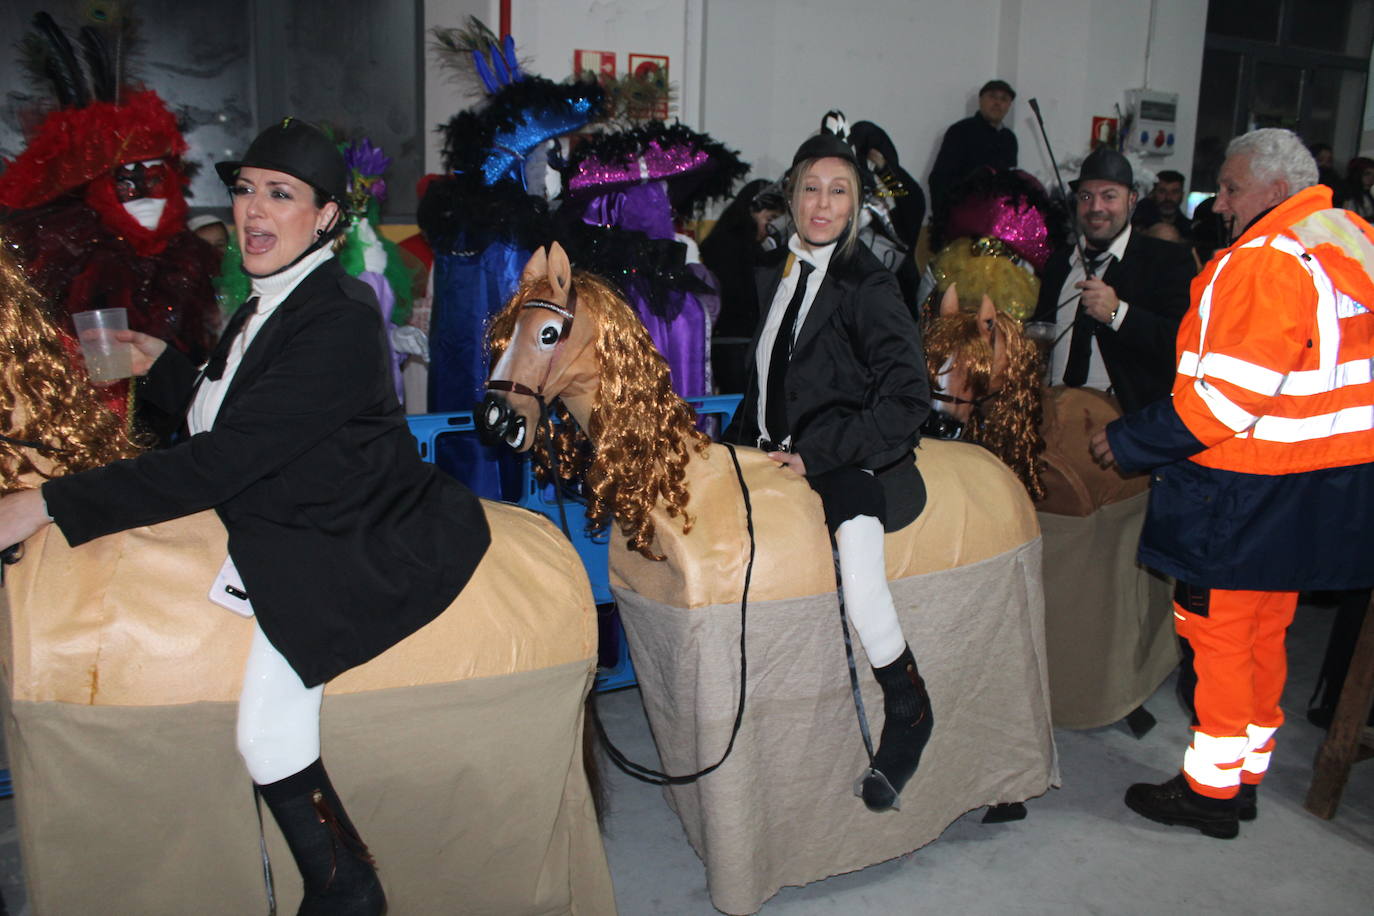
(541, 351)
(51, 420)
(568, 337)
(987, 379)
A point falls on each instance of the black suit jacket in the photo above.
(857, 387)
(1153, 277)
(345, 540)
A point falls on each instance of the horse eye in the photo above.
(548, 335)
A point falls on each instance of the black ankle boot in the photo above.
(339, 874)
(907, 724)
(1176, 804)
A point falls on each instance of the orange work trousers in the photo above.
(1237, 638)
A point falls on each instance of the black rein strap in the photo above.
(628, 766)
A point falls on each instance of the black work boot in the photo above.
(907, 724)
(339, 874)
(1176, 804)
(1247, 802)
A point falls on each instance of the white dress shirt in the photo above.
(1068, 308)
(819, 258)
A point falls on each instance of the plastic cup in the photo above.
(107, 359)
(1040, 331)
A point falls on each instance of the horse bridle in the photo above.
(569, 314)
(976, 403)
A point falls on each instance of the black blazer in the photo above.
(1154, 278)
(857, 387)
(346, 541)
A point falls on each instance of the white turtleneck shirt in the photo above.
(271, 292)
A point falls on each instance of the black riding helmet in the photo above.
(301, 150)
(828, 143)
(831, 142)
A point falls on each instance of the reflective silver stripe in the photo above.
(1301, 383)
(1204, 309)
(1213, 761)
(1237, 371)
(1316, 381)
(1303, 429)
(1235, 418)
(1256, 737)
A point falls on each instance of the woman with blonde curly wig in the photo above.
(837, 392)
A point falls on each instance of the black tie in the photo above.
(776, 406)
(1084, 325)
(214, 369)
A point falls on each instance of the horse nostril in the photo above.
(494, 412)
(493, 419)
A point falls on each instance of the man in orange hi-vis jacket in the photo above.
(1262, 460)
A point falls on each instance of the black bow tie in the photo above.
(214, 369)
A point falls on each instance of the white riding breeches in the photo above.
(867, 599)
(279, 717)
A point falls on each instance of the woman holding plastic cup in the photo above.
(342, 539)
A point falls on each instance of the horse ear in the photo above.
(949, 304)
(987, 314)
(560, 271)
(537, 267)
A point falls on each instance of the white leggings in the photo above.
(867, 598)
(279, 717)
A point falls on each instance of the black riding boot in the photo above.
(339, 874)
(907, 724)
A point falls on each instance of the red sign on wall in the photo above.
(600, 63)
(652, 67)
(1104, 133)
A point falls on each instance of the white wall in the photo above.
(759, 74)
(773, 68)
(1080, 56)
(445, 93)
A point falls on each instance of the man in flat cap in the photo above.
(1116, 318)
(976, 141)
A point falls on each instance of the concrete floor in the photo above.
(1079, 851)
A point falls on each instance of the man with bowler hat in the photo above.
(1116, 317)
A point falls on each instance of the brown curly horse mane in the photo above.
(43, 398)
(642, 434)
(1008, 423)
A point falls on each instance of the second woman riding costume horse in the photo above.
(837, 392)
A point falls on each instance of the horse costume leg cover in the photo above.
(338, 872)
(279, 739)
(907, 718)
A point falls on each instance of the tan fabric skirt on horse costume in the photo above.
(463, 742)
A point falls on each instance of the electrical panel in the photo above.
(1153, 117)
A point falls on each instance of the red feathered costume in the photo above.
(64, 215)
